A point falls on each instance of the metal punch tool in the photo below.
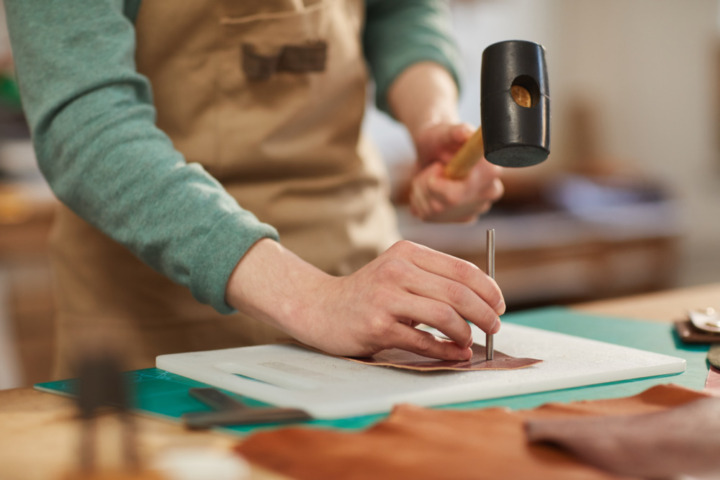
(489, 347)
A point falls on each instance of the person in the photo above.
(217, 188)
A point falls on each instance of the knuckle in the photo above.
(487, 319)
(495, 297)
(464, 271)
(498, 190)
(457, 293)
(445, 314)
(403, 247)
(424, 343)
(379, 327)
(454, 198)
(435, 207)
(483, 208)
(444, 197)
(392, 269)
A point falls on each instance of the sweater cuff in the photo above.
(227, 243)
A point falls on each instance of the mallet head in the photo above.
(515, 104)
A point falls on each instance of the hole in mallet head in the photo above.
(525, 91)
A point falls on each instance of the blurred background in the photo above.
(628, 201)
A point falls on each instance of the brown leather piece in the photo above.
(684, 440)
(421, 443)
(689, 333)
(394, 357)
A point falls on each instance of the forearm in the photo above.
(401, 33)
(424, 94)
(274, 285)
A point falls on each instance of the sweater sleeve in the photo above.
(93, 127)
(399, 33)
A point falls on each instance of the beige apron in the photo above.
(268, 95)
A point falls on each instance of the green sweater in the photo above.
(93, 126)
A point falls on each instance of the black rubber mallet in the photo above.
(514, 110)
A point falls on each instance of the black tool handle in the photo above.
(216, 399)
(246, 416)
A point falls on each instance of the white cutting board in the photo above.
(329, 387)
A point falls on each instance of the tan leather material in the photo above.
(396, 358)
(289, 149)
(429, 444)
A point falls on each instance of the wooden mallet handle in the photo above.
(466, 158)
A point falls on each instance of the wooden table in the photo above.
(26, 217)
(38, 432)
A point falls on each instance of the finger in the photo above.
(418, 202)
(488, 179)
(491, 191)
(450, 301)
(451, 197)
(496, 190)
(450, 200)
(482, 208)
(427, 344)
(454, 269)
(446, 156)
(422, 187)
(488, 171)
(437, 314)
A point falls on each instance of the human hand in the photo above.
(436, 198)
(375, 308)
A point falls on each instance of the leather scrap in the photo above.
(394, 357)
(681, 441)
(689, 333)
(422, 443)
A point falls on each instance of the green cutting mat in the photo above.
(164, 394)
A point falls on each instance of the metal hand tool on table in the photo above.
(230, 411)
